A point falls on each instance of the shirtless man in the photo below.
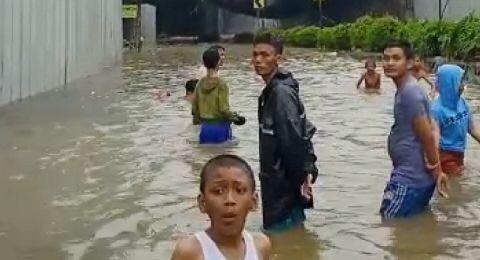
(371, 77)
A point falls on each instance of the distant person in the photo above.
(162, 95)
(371, 78)
(420, 73)
(287, 158)
(211, 106)
(222, 52)
(227, 195)
(190, 89)
(140, 43)
(454, 119)
(411, 144)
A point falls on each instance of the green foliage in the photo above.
(326, 38)
(381, 31)
(465, 42)
(358, 31)
(306, 37)
(430, 38)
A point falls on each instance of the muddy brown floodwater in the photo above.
(106, 168)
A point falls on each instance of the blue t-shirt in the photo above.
(404, 146)
(453, 125)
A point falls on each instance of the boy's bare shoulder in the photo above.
(263, 245)
(188, 249)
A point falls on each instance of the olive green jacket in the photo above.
(211, 102)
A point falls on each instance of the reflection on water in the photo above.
(106, 169)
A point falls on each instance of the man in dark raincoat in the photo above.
(287, 158)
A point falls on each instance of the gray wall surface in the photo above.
(149, 23)
(456, 9)
(232, 23)
(45, 44)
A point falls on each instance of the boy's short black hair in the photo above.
(226, 160)
(370, 61)
(270, 39)
(190, 86)
(406, 46)
(211, 57)
(217, 47)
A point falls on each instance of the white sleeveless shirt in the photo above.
(211, 251)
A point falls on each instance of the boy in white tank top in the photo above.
(227, 195)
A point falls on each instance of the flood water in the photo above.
(106, 168)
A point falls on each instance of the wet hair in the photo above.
(372, 61)
(228, 161)
(217, 47)
(404, 45)
(268, 38)
(190, 86)
(211, 57)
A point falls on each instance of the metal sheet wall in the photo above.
(456, 9)
(46, 44)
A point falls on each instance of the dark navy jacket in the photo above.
(286, 150)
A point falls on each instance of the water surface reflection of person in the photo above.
(296, 243)
(416, 238)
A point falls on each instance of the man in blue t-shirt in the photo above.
(411, 144)
(453, 117)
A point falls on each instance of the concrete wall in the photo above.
(46, 44)
(456, 9)
(232, 23)
(149, 23)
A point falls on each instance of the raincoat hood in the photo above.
(207, 85)
(286, 78)
(449, 78)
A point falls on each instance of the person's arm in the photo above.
(379, 81)
(416, 109)
(436, 133)
(473, 129)
(362, 78)
(310, 166)
(423, 130)
(263, 245)
(195, 108)
(224, 104)
(427, 79)
(289, 123)
(187, 249)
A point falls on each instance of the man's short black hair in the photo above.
(270, 39)
(404, 45)
(226, 160)
(211, 57)
(190, 86)
(217, 47)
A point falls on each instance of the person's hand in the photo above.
(442, 184)
(306, 190)
(240, 120)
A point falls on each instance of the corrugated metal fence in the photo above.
(455, 9)
(45, 44)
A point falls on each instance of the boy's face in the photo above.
(222, 54)
(370, 67)
(189, 96)
(395, 63)
(418, 62)
(265, 59)
(227, 199)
